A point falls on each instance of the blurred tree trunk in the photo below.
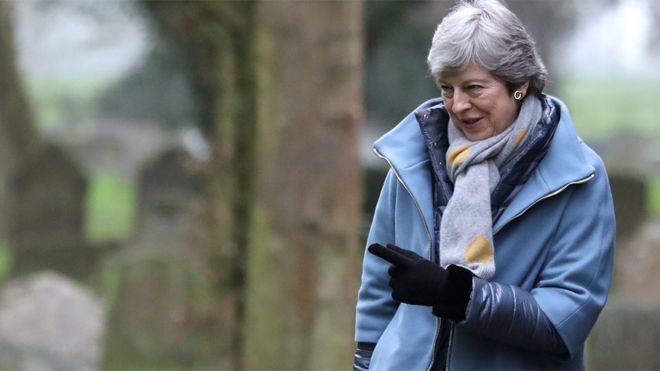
(217, 41)
(278, 89)
(304, 259)
(18, 136)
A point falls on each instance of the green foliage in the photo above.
(601, 108)
(5, 260)
(653, 195)
(110, 208)
(64, 101)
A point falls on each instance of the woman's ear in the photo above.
(524, 87)
(521, 91)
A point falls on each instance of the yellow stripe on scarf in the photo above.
(479, 250)
(519, 137)
(458, 154)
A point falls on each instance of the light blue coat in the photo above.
(555, 240)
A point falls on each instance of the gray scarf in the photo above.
(466, 230)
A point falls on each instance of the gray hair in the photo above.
(486, 32)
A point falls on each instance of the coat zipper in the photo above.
(435, 343)
(451, 343)
(551, 194)
(419, 209)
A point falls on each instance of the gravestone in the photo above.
(48, 322)
(46, 215)
(161, 289)
(627, 334)
(626, 152)
(626, 337)
(160, 312)
(637, 264)
(629, 195)
(168, 200)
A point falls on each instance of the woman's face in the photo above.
(479, 104)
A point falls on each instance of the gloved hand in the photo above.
(413, 279)
(419, 281)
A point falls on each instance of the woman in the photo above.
(492, 241)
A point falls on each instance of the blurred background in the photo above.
(188, 184)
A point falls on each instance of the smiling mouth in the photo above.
(471, 121)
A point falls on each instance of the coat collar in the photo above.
(563, 165)
(405, 150)
(404, 146)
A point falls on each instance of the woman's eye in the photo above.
(446, 90)
(474, 87)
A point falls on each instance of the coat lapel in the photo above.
(405, 150)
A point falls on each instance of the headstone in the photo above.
(637, 264)
(48, 322)
(626, 337)
(162, 290)
(626, 152)
(629, 195)
(627, 334)
(160, 312)
(46, 215)
(168, 200)
(50, 194)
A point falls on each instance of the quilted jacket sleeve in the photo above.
(512, 315)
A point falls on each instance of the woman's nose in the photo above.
(461, 101)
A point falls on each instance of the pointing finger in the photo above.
(391, 255)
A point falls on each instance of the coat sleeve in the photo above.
(572, 287)
(375, 306)
(511, 315)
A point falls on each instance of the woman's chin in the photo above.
(475, 131)
(475, 134)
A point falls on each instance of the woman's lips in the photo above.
(471, 121)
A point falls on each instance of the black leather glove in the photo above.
(419, 281)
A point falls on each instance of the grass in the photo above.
(653, 195)
(110, 208)
(5, 260)
(63, 101)
(601, 108)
